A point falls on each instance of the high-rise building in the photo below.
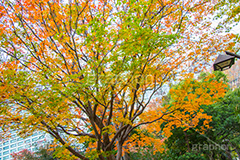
(16, 144)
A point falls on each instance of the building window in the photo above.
(41, 137)
(27, 146)
(5, 148)
(13, 145)
(13, 150)
(5, 143)
(6, 152)
(35, 134)
(34, 139)
(20, 143)
(19, 139)
(6, 158)
(13, 140)
(20, 148)
(27, 141)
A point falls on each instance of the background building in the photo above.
(233, 75)
(16, 144)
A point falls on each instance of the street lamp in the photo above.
(224, 62)
(232, 54)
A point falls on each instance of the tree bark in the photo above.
(119, 153)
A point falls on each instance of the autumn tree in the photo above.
(219, 141)
(227, 18)
(228, 11)
(184, 108)
(41, 154)
(84, 70)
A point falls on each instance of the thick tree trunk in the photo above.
(111, 157)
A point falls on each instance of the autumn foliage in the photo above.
(24, 155)
(184, 109)
(85, 71)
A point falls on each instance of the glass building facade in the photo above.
(16, 144)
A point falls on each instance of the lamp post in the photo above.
(224, 62)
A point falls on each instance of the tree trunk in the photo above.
(126, 156)
(119, 152)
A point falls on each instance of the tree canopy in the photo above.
(219, 141)
(85, 71)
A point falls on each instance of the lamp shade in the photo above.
(223, 62)
(232, 54)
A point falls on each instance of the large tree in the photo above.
(85, 70)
